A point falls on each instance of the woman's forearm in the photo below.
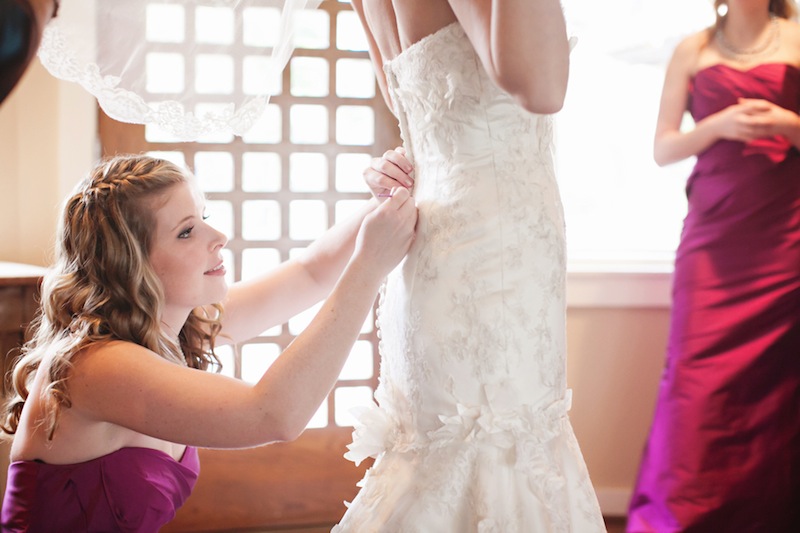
(325, 258)
(273, 298)
(302, 377)
(673, 146)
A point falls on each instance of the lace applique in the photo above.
(501, 423)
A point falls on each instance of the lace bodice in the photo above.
(486, 274)
(448, 107)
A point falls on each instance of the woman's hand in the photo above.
(753, 118)
(391, 170)
(376, 238)
(765, 119)
(733, 124)
(387, 232)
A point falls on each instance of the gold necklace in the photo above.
(772, 42)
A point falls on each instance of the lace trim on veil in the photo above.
(99, 44)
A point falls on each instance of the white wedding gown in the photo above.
(471, 433)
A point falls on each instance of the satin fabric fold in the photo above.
(131, 489)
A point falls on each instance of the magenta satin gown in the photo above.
(723, 453)
(131, 489)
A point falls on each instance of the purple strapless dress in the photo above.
(723, 453)
(131, 489)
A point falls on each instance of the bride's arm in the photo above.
(374, 52)
(523, 45)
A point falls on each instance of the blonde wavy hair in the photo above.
(102, 286)
(785, 9)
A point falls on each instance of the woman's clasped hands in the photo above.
(753, 118)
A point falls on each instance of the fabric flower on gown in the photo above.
(377, 428)
(372, 428)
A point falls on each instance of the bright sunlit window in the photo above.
(621, 208)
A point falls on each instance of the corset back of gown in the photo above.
(471, 430)
(477, 307)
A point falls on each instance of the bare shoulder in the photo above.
(790, 37)
(111, 368)
(692, 46)
(789, 28)
(110, 355)
(692, 53)
(79, 435)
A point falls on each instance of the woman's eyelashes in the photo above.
(186, 233)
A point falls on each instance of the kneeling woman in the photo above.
(111, 395)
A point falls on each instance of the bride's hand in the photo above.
(391, 170)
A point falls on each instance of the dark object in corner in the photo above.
(21, 26)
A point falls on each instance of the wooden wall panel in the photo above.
(278, 486)
(19, 293)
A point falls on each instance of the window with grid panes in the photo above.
(296, 172)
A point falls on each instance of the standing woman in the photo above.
(111, 398)
(724, 449)
(471, 432)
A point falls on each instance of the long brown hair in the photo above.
(102, 286)
(785, 9)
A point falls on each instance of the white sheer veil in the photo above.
(169, 62)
